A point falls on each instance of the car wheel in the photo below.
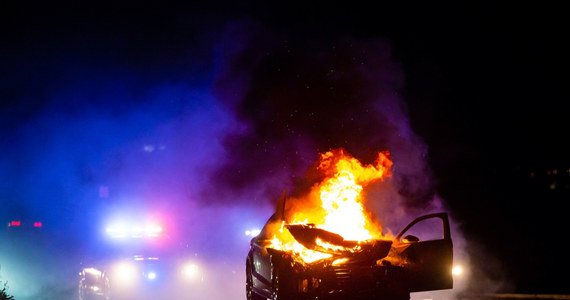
(251, 295)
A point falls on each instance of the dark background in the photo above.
(485, 88)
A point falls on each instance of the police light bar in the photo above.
(133, 231)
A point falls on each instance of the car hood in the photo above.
(321, 240)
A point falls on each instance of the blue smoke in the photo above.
(111, 131)
(86, 136)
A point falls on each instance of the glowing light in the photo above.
(190, 271)
(153, 230)
(15, 223)
(95, 288)
(253, 232)
(141, 258)
(38, 224)
(151, 276)
(92, 271)
(457, 271)
(117, 231)
(136, 231)
(126, 270)
(133, 231)
(125, 273)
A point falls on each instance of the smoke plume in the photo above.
(295, 98)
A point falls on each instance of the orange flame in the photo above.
(339, 202)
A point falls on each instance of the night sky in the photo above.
(470, 98)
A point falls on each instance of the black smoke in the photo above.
(296, 98)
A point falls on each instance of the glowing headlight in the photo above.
(253, 232)
(190, 271)
(457, 271)
(151, 276)
(94, 288)
(125, 273)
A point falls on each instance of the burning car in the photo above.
(336, 251)
(374, 268)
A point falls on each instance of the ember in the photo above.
(336, 205)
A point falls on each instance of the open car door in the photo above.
(425, 244)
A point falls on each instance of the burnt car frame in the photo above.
(375, 269)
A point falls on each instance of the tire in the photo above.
(250, 294)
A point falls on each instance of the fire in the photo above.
(339, 202)
(306, 255)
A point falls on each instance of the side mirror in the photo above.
(410, 239)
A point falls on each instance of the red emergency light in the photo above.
(15, 223)
(38, 224)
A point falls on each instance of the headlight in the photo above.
(94, 288)
(150, 275)
(124, 274)
(190, 271)
(457, 271)
(252, 232)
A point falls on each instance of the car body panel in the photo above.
(430, 261)
(378, 268)
(261, 267)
